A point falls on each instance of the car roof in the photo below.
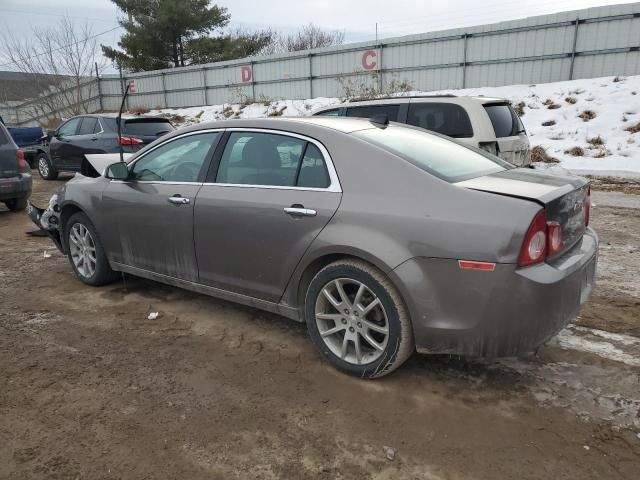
(341, 124)
(125, 116)
(448, 98)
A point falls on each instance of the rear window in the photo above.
(445, 158)
(4, 139)
(148, 127)
(444, 118)
(504, 119)
(391, 111)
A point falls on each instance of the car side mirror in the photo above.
(117, 171)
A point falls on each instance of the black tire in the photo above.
(45, 168)
(102, 273)
(399, 343)
(16, 204)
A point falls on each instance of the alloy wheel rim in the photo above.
(352, 321)
(83, 250)
(44, 168)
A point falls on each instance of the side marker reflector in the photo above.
(469, 265)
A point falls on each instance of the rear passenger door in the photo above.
(85, 141)
(267, 197)
(445, 118)
(61, 146)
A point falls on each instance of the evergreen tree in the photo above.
(158, 32)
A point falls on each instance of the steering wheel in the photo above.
(186, 172)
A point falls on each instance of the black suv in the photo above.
(65, 148)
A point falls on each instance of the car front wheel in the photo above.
(45, 168)
(86, 254)
(358, 320)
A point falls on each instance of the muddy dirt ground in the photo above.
(92, 389)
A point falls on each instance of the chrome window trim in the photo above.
(334, 181)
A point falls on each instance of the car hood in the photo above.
(526, 183)
(100, 161)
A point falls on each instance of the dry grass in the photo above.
(519, 108)
(199, 114)
(554, 106)
(228, 111)
(596, 141)
(575, 152)
(633, 128)
(571, 100)
(139, 110)
(601, 152)
(277, 112)
(549, 123)
(587, 115)
(618, 79)
(539, 154)
(174, 118)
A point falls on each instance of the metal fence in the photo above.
(586, 43)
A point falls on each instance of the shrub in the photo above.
(618, 79)
(571, 100)
(575, 152)
(553, 106)
(633, 128)
(539, 154)
(595, 141)
(549, 123)
(276, 112)
(199, 114)
(587, 115)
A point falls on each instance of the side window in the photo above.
(391, 111)
(313, 172)
(445, 118)
(329, 113)
(253, 158)
(88, 126)
(69, 128)
(180, 160)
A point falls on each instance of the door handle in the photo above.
(300, 211)
(178, 200)
(94, 139)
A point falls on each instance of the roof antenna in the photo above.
(381, 120)
(124, 98)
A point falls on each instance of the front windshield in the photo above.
(439, 155)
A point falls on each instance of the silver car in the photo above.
(383, 238)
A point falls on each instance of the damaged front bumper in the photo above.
(47, 219)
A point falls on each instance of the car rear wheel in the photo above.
(16, 204)
(358, 320)
(86, 254)
(45, 168)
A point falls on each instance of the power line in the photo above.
(63, 46)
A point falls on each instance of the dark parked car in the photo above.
(90, 134)
(383, 238)
(28, 139)
(15, 174)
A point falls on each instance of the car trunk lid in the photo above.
(563, 197)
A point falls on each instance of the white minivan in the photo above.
(487, 123)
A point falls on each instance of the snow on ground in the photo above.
(551, 115)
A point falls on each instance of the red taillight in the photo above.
(554, 237)
(587, 206)
(22, 163)
(534, 247)
(472, 265)
(130, 141)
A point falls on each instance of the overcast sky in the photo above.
(356, 17)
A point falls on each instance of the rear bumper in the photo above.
(15, 187)
(501, 313)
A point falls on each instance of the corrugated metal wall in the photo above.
(580, 44)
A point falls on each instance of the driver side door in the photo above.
(152, 210)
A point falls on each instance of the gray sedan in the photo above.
(383, 238)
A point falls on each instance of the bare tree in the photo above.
(307, 37)
(59, 62)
